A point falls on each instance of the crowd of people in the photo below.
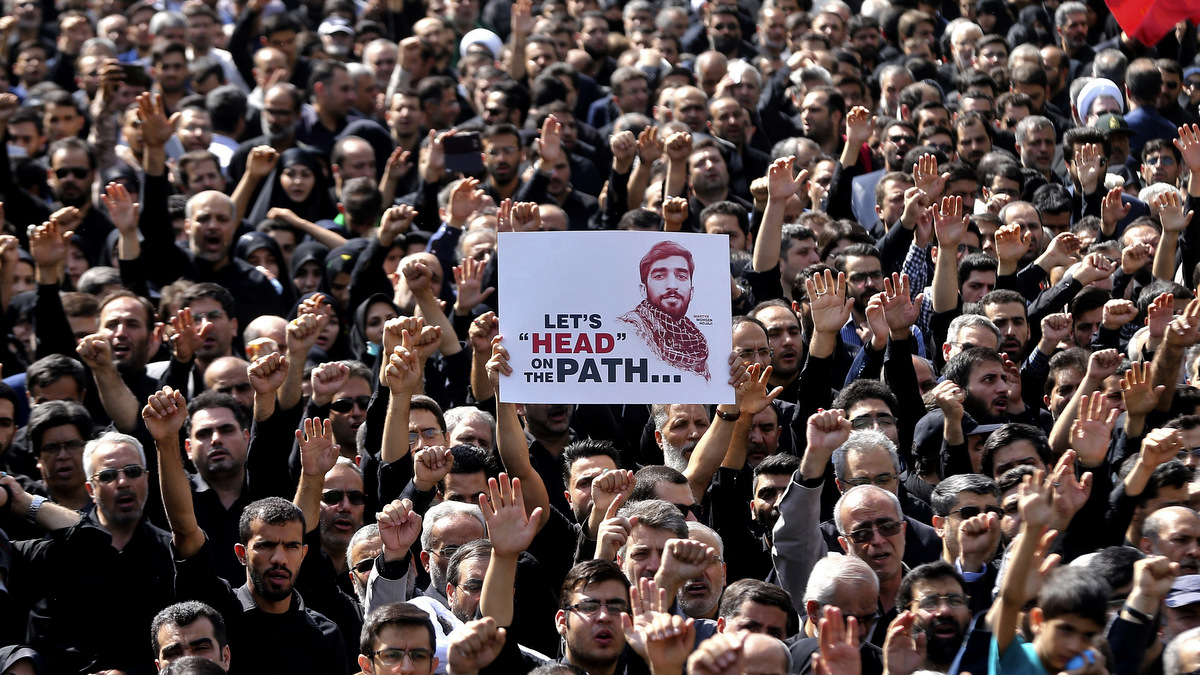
(253, 369)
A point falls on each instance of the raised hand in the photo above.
(476, 644)
(612, 533)
(1056, 327)
(1012, 243)
(9, 103)
(839, 653)
(121, 208)
(164, 414)
(646, 600)
(1184, 330)
(483, 330)
(1036, 503)
(1070, 494)
(669, 639)
(550, 144)
(950, 397)
(858, 126)
(1102, 364)
(468, 278)
(465, 200)
(1138, 390)
(828, 304)
(398, 165)
(1089, 166)
(904, 648)
(827, 430)
(1091, 430)
(678, 147)
(675, 212)
(318, 452)
(978, 538)
(1061, 250)
(156, 127)
(431, 162)
(96, 352)
(900, 308)
(509, 528)
(430, 466)
(684, 559)
(261, 161)
(949, 223)
(186, 336)
(267, 373)
(610, 490)
(1189, 146)
(781, 179)
(1153, 578)
(523, 19)
(721, 654)
(649, 146)
(395, 221)
(624, 147)
(916, 206)
(399, 528)
(526, 217)
(497, 365)
(1117, 313)
(394, 330)
(48, 245)
(926, 177)
(327, 380)
(1095, 266)
(754, 396)
(1159, 315)
(1113, 209)
(1161, 446)
(1134, 257)
(1170, 212)
(402, 375)
(876, 322)
(303, 331)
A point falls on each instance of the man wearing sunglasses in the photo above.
(971, 548)
(72, 170)
(343, 503)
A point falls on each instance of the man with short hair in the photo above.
(850, 585)
(228, 375)
(753, 606)
(1143, 84)
(594, 594)
(189, 629)
(967, 513)
(331, 92)
(57, 433)
(395, 634)
(937, 594)
(200, 170)
(822, 116)
(583, 461)
(70, 177)
(445, 528)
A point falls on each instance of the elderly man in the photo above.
(445, 528)
(1174, 532)
(848, 584)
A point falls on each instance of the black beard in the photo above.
(725, 45)
(261, 587)
(978, 410)
(942, 650)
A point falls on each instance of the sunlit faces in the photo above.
(1010, 318)
(987, 389)
(943, 623)
(217, 444)
(210, 226)
(784, 336)
(218, 338)
(579, 482)
(594, 639)
(120, 501)
(198, 638)
(684, 426)
(870, 512)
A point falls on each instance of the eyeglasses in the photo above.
(335, 497)
(471, 585)
(725, 26)
(964, 345)
(1184, 455)
(345, 405)
(860, 277)
(279, 112)
(932, 602)
(887, 528)
(215, 315)
(365, 566)
(968, 512)
(589, 607)
(1165, 160)
(766, 352)
(429, 434)
(73, 171)
(393, 656)
(55, 448)
(131, 471)
(882, 480)
(1011, 123)
(907, 140)
(867, 421)
(446, 552)
(694, 509)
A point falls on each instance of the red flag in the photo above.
(1150, 20)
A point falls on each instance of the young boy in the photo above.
(1071, 606)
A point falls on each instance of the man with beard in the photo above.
(730, 121)
(724, 28)
(580, 207)
(661, 319)
(1071, 19)
(128, 324)
(677, 430)
(746, 524)
(112, 544)
(170, 70)
(342, 506)
(849, 585)
(1007, 311)
(210, 335)
(228, 375)
(663, 483)
(936, 593)
(361, 554)
(700, 596)
(1173, 531)
(348, 405)
(218, 438)
(445, 528)
(863, 265)
(332, 91)
(823, 116)
(658, 547)
(280, 114)
(967, 516)
(975, 137)
(899, 136)
(702, 167)
(584, 461)
(189, 629)
(1035, 145)
(270, 626)
(71, 174)
(503, 155)
(210, 225)
(787, 346)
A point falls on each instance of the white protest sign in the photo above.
(615, 317)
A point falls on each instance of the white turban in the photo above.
(1095, 89)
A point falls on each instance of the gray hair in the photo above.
(1067, 9)
(963, 27)
(466, 413)
(858, 494)
(1171, 655)
(963, 321)
(357, 69)
(362, 534)
(663, 19)
(694, 527)
(167, 19)
(448, 510)
(809, 73)
(98, 46)
(1110, 64)
(1031, 124)
(105, 439)
(833, 572)
(349, 463)
(1029, 52)
(659, 413)
(863, 442)
(656, 514)
(636, 6)
(745, 70)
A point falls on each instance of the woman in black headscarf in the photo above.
(366, 337)
(297, 183)
(308, 267)
(333, 340)
(261, 250)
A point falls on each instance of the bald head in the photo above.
(768, 654)
(228, 376)
(1174, 532)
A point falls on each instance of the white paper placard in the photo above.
(580, 325)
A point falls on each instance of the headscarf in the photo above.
(317, 207)
(358, 333)
(339, 260)
(252, 241)
(309, 251)
(340, 349)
